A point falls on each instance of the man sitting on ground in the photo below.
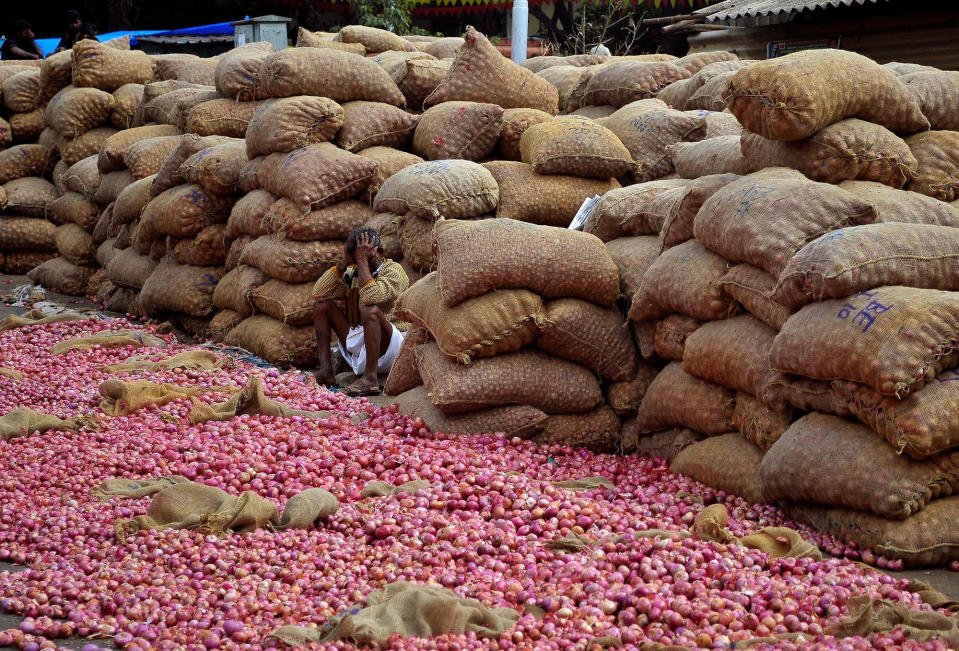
(370, 285)
(22, 44)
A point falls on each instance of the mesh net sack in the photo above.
(575, 146)
(622, 82)
(371, 124)
(752, 288)
(733, 353)
(220, 117)
(605, 221)
(894, 205)
(938, 155)
(237, 71)
(275, 341)
(719, 155)
(389, 162)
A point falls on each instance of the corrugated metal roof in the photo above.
(733, 11)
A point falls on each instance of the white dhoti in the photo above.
(354, 351)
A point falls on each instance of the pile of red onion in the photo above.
(477, 530)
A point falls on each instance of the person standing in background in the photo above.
(76, 30)
(21, 44)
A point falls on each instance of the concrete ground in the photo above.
(943, 580)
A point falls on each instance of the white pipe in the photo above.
(520, 30)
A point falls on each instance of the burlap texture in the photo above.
(513, 420)
(291, 303)
(677, 399)
(759, 422)
(168, 174)
(121, 398)
(36, 317)
(766, 217)
(247, 214)
(868, 616)
(130, 269)
(903, 206)
(235, 252)
(24, 422)
(406, 610)
(127, 99)
(733, 353)
(289, 260)
(938, 155)
(11, 373)
(30, 197)
(181, 288)
(317, 175)
(306, 38)
(752, 288)
(659, 445)
(575, 146)
(678, 225)
(441, 48)
(622, 82)
(416, 240)
(458, 130)
(481, 74)
(237, 71)
(55, 73)
(249, 400)
(75, 244)
(526, 377)
(289, 123)
(203, 360)
(217, 169)
(775, 542)
(111, 185)
(417, 78)
(375, 40)
(647, 128)
(21, 92)
(693, 63)
(111, 153)
(937, 92)
(219, 117)
(522, 189)
(206, 249)
(590, 335)
(27, 127)
(566, 79)
(275, 341)
(98, 66)
(184, 211)
(650, 217)
(111, 339)
(678, 93)
(286, 220)
(184, 67)
(793, 97)
(633, 257)
(389, 162)
(597, 430)
(405, 373)
(893, 339)
(605, 220)
(476, 257)
(26, 234)
(385, 223)
(341, 76)
(386, 489)
(500, 321)
(718, 155)
(536, 64)
(596, 113)
(727, 463)
(222, 323)
(61, 275)
(74, 208)
(709, 96)
(173, 107)
(235, 289)
(144, 157)
(453, 189)
(625, 397)
(670, 335)
(24, 262)
(371, 124)
(809, 395)
(515, 123)
(24, 161)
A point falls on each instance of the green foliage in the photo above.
(393, 15)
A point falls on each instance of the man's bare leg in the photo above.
(327, 319)
(377, 334)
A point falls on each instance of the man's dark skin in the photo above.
(35, 53)
(73, 28)
(328, 318)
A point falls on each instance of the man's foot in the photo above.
(363, 387)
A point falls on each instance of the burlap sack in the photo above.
(180, 288)
(904, 207)
(733, 353)
(441, 48)
(597, 430)
(515, 123)
(289, 123)
(405, 373)
(171, 107)
(937, 92)
(121, 398)
(709, 96)
(386, 489)
(566, 79)
(286, 220)
(752, 288)
(237, 71)
(927, 539)
(726, 463)
(650, 217)
(622, 82)
(497, 322)
(168, 174)
(647, 127)
(678, 93)
(684, 280)
(809, 395)
(526, 377)
(389, 162)
(681, 214)
(27, 127)
(6, 136)
(837, 339)
(29, 196)
(26, 234)
(633, 257)
(235, 251)
(206, 249)
(130, 269)
(417, 78)
(625, 397)
(109, 339)
(867, 616)
(220, 117)
(75, 244)
(221, 324)
(24, 422)
(184, 211)
(454, 189)
(795, 96)
(720, 155)
(481, 74)
(375, 40)
(416, 239)
(848, 149)
(766, 217)
(59, 171)
(21, 92)
(98, 66)
(677, 399)
(251, 400)
(126, 100)
(670, 335)
(287, 302)
(111, 184)
(464, 130)
(476, 257)
(74, 208)
(575, 146)
(184, 67)
(938, 156)
(112, 150)
(83, 177)
(305, 38)
(513, 420)
(55, 72)
(521, 193)
(660, 445)
(37, 317)
(247, 214)
(106, 252)
(152, 91)
(235, 290)
(17, 264)
(595, 113)
(131, 201)
(275, 341)
(370, 124)
(693, 63)
(316, 175)
(761, 423)
(217, 169)
(341, 76)
(605, 220)
(902, 69)
(23, 161)
(291, 261)
(593, 336)
(143, 158)
(536, 64)
(921, 425)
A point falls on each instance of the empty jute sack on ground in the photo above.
(515, 124)
(733, 353)
(463, 130)
(937, 92)
(497, 322)
(633, 257)
(250, 400)
(727, 463)
(522, 190)
(597, 430)
(893, 339)
(764, 218)
(682, 205)
(513, 420)
(121, 398)
(275, 341)
(593, 336)
(317, 175)
(37, 317)
(761, 423)
(684, 279)
(677, 399)
(938, 156)
(527, 377)
(850, 260)
(98, 66)
(288, 123)
(109, 339)
(286, 219)
(826, 460)
(407, 610)
(622, 82)
(575, 146)
(793, 97)
(605, 220)
(454, 189)
(180, 288)
(752, 288)
(670, 335)
(294, 262)
(849, 149)
(324, 72)
(24, 422)
(476, 257)
(481, 74)
(921, 425)
(927, 539)
(901, 206)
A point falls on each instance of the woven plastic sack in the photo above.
(476, 257)
(220, 117)
(633, 257)
(75, 244)
(306, 38)
(111, 185)
(761, 423)
(26, 234)
(237, 71)
(375, 40)
(247, 214)
(275, 341)
(235, 290)
(184, 211)
(937, 92)
(21, 92)
(126, 100)
(481, 74)
(837, 339)
(27, 127)
(341, 76)
(670, 335)
(647, 128)
(733, 353)
(938, 156)
(678, 224)
(74, 208)
(903, 206)
(720, 155)
(809, 395)
(180, 288)
(525, 377)
(389, 162)
(106, 68)
(23, 161)
(405, 373)
(316, 176)
(206, 249)
(521, 193)
(766, 217)
(143, 158)
(130, 269)
(575, 146)
(113, 149)
(289, 123)
(30, 196)
(677, 399)
(597, 430)
(465, 130)
(623, 82)
(294, 262)
(453, 189)
(497, 322)
(515, 123)
(593, 336)
(217, 169)
(605, 221)
(287, 302)
(168, 174)
(726, 463)
(752, 288)
(849, 149)
(370, 124)
(62, 276)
